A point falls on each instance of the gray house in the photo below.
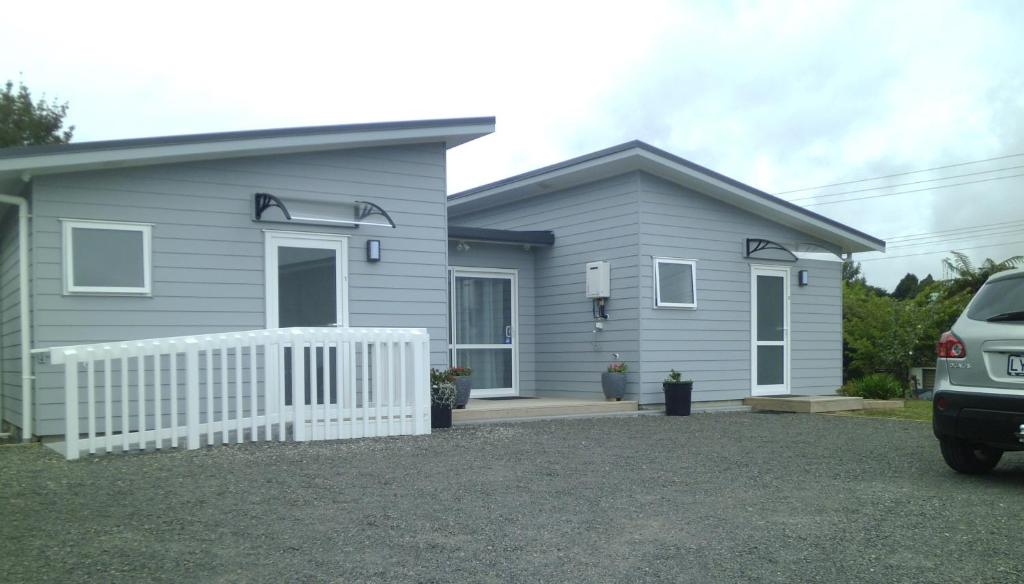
(535, 281)
(737, 289)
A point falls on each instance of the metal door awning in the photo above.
(317, 212)
(766, 249)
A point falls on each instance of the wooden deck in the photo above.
(808, 404)
(488, 410)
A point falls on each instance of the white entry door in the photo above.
(483, 322)
(306, 279)
(769, 323)
(307, 286)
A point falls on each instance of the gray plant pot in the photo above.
(614, 385)
(463, 385)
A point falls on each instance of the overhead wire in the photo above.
(912, 191)
(933, 252)
(905, 173)
(916, 182)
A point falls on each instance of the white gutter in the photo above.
(26, 320)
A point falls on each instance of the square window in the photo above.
(103, 257)
(675, 283)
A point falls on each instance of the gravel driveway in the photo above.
(710, 498)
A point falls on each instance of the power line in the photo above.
(916, 182)
(860, 180)
(960, 237)
(965, 228)
(970, 182)
(910, 255)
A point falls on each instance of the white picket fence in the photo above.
(292, 383)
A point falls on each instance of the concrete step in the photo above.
(805, 403)
(884, 404)
(479, 410)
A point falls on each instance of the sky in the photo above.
(781, 95)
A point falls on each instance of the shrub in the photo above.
(874, 386)
(618, 367)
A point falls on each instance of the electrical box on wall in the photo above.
(598, 280)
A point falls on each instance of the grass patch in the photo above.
(915, 409)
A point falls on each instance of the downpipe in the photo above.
(25, 315)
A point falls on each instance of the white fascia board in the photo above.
(168, 153)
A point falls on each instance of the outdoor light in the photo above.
(802, 277)
(373, 250)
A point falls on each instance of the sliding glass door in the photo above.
(482, 327)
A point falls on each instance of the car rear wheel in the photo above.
(967, 458)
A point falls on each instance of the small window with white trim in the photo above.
(106, 257)
(675, 283)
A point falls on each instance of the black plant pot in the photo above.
(463, 385)
(678, 397)
(440, 416)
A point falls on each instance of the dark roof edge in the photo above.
(22, 151)
(678, 160)
(501, 235)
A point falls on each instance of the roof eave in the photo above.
(35, 162)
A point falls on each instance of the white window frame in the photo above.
(67, 225)
(657, 283)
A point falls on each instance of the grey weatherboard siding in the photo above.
(597, 221)
(10, 319)
(712, 343)
(628, 220)
(208, 254)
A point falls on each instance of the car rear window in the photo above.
(998, 297)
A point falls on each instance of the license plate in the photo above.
(1015, 366)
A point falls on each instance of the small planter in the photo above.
(678, 397)
(440, 416)
(463, 385)
(613, 385)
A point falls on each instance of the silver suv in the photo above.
(978, 404)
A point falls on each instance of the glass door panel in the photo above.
(492, 368)
(770, 315)
(482, 328)
(483, 314)
(307, 287)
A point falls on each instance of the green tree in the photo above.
(907, 288)
(25, 123)
(970, 278)
(882, 333)
(851, 272)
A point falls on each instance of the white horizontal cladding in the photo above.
(288, 383)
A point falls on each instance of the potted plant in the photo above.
(613, 381)
(442, 398)
(463, 385)
(678, 394)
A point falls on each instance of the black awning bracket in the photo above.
(768, 250)
(264, 201)
(320, 212)
(366, 209)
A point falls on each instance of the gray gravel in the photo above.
(710, 498)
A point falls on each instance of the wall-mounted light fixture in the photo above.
(373, 250)
(801, 277)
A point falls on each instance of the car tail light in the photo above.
(941, 402)
(950, 347)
